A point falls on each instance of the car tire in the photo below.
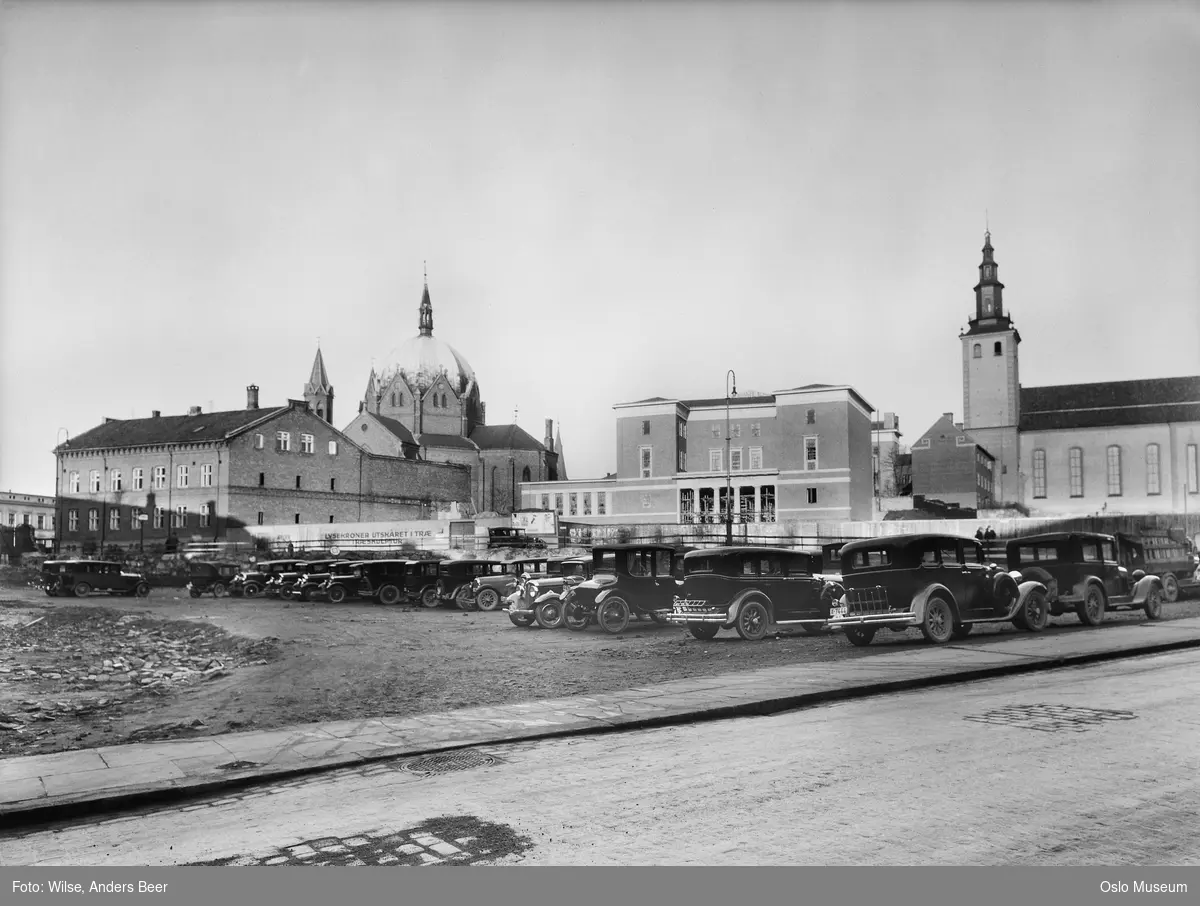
(337, 594)
(575, 618)
(962, 630)
(752, 621)
(218, 590)
(1170, 588)
(251, 590)
(142, 590)
(464, 599)
(549, 614)
(613, 615)
(1004, 589)
(523, 621)
(488, 599)
(937, 625)
(1152, 606)
(1034, 615)
(193, 592)
(704, 631)
(429, 598)
(1091, 609)
(287, 593)
(389, 594)
(859, 636)
(81, 590)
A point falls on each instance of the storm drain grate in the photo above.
(1050, 718)
(444, 762)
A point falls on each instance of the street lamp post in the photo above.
(728, 464)
(142, 531)
(512, 461)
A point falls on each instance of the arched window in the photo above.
(978, 351)
(525, 474)
(401, 399)
(443, 401)
(998, 349)
(435, 401)
(393, 397)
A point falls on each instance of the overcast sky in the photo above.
(615, 202)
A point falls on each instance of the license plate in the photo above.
(835, 612)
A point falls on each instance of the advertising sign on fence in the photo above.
(430, 534)
(539, 522)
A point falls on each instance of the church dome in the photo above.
(422, 358)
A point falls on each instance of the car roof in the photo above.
(1059, 536)
(900, 541)
(747, 549)
(633, 547)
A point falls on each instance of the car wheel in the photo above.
(193, 592)
(286, 593)
(1034, 615)
(549, 614)
(752, 621)
(938, 623)
(218, 590)
(142, 590)
(465, 600)
(488, 599)
(388, 594)
(337, 594)
(305, 594)
(860, 636)
(575, 618)
(1153, 604)
(704, 631)
(1091, 609)
(251, 590)
(429, 598)
(82, 590)
(613, 615)
(1170, 588)
(962, 630)
(522, 620)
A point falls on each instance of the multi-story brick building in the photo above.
(949, 465)
(799, 454)
(886, 456)
(203, 476)
(29, 509)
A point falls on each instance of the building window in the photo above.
(333, 484)
(646, 426)
(135, 517)
(181, 480)
(158, 517)
(558, 504)
(393, 397)
(735, 459)
(283, 441)
(737, 430)
(306, 443)
(1075, 470)
(1193, 469)
(687, 505)
(160, 476)
(812, 495)
(93, 520)
(258, 442)
(400, 397)
(297, 482)
(724, 501)
(443, 401)
(682, 461)
(766, 502)
(756, 458)
(1039, 473)
(601, 502)
(526, 475)
(94, 481)
(545, 501)
(333, 448)
(977, 351)
(755, 428)
(587, 503)
(998, 348)
(262, 479)
(297, 519)
(72, 520)
(260, 517)
(646, 460)
(574, 504)
(1114, 471)
(41, 521)
(810, 417)
(1152, 477)
(114, 480)
(714, 461)
(114, 519)
(181, 517)
(138, 479)
(746, 504)
(716, 430)
(74, 482)
(706, 505)
(205, 515)
(810, 453)
(206, 476)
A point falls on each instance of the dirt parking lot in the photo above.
(80, 673)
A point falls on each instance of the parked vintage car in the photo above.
(420, 582)
(490, 590)
(1164, 553)
(536, 592)
(207, 575)
(1082, 572)
(314, 575)
(941, 584)
(512, 537)
(454, 581)
(81, 577)
(381, 581)
(751, 589)
(253, 580)
(628, 580)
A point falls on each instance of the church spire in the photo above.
(425, 323)
(318, 392)
(989, 291)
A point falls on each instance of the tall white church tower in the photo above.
(991, 380)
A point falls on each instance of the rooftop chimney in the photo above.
(193, 410)
(949, 415)
(252, 396)
(155, 413)
(958, 425)
(549, 441)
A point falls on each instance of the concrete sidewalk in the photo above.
(41, 788)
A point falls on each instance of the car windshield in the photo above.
(604, 561)
(867, 559)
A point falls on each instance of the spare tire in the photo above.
(1005, 591)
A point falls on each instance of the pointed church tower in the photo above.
(318, 391)
(425, 320)
(991, 380)
(370, 400)
(562, 462)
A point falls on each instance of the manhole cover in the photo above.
(1050, 718)
(444, 762)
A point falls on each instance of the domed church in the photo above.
(427, 405)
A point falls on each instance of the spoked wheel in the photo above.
(704, 631)
(1091, 609)
(860, 636)
(613, 615)
(287, 593)
(465, 600)
(251, 590)
(429, 598)
(218, 590)
(1170, 588)
(752, 621)
(142, 590)
(938, 624)
(523, 620)
(549, 614)
(82, 590)
(1034, 615)
(1153, 604)
(337, 594)
(575, 618)
(488, 599)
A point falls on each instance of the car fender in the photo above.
(605, 594)
(547, 596)
(748, 595)
(1080, 587)
(921, 598)
(1143, 586)
(1024, 590)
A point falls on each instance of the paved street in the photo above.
(1088, 765)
